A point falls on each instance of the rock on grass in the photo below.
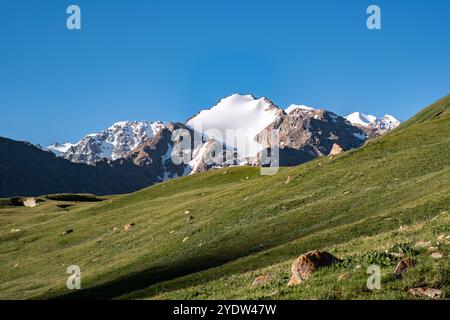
(306, 264)
(426, 293)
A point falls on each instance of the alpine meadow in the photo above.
(213, 234)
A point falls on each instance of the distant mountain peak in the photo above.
(112, 143)
(293, 107)
(372, 124)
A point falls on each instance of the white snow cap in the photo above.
(386, 123)
(237, 113)
(361, 119)
(293, 107)
(392, 119)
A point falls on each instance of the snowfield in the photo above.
(237, 117)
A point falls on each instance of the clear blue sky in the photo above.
(166, 60)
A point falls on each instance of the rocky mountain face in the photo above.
(236, 131)
(113, 143)
(306, 133)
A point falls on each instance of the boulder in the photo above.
(306, 264)
(67, 232)
(262, 279)
(404, 265)
(426, 292)
(436, 255)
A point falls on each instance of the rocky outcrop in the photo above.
(337, 149)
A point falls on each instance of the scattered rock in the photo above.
(426, 292)
(247, 177)
(190, 219)
(115, 229)
(185, 239)
(16, 265)
(67, 232)
(187, 212)
(261, 280)
(358, 267)
(396, 254)
(129, 226)
(441, 237)
(31, 202)
(288, 179)
(15, 230)
(172, 232)
(436, 255)
(404, 265)
(336, 149)
(432, 249)
(344, 276)
(308, 263)
(422, 244)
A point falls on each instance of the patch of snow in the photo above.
(59, 148)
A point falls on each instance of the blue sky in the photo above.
(166, 60)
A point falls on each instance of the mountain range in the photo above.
(130, 155)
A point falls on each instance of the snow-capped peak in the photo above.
(242, 114)
(293, 107)
(386, 123)
(361, 119)
(391, 120)
(112, 143)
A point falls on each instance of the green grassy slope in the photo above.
(245, 225)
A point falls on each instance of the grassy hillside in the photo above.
(244, 225)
